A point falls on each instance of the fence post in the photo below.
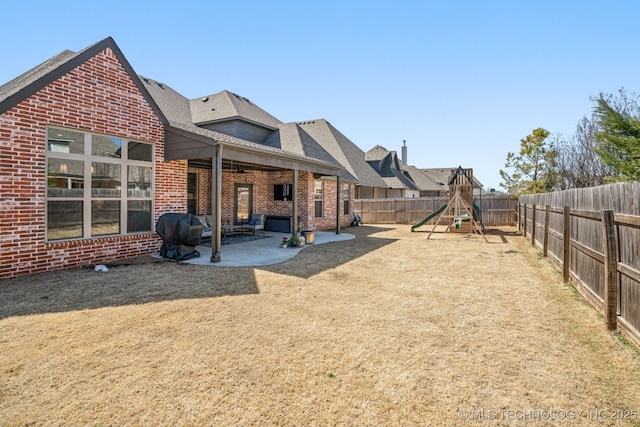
(545, 237)
(533, 225)
(610, 249)
(524, 224)
(518, 216)
(566, 243)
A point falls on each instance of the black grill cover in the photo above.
(180, 234)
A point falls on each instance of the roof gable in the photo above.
(227, 105)
(22, 87)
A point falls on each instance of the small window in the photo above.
(318, 199)
(65, 178)
(105, 217)
(64, 219)
(65, 141)
(105, 180)
(140, 151)
(106, 146)
(345, 198)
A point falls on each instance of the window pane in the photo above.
(106, 146)
(140, 151)
(318, 209)
(138, 216)
(346, 207)
(105, 180)
(139, 181)
(65, 141)
(65, 178)
(105, 217)
(64, 220)
(345, 192)
(318, 190)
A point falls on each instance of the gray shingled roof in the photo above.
(13, 87)
(386, 164)
(227, 105)
(177, 110)
(349, 155)
(442, 175)
(174, 106)
(422, 180)
(28, 83)
(291, 137)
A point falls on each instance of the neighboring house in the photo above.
(93, 155)
(389, 167)
(427, 186)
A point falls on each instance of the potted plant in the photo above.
(293, 241)
(285, 242)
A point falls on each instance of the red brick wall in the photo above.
(98, 96)
(263, 196)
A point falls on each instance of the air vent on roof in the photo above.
(205, 99)
(146, 80)
(213, 109)
(160, 84)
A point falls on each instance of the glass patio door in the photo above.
(242, 205)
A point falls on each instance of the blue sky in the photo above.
(461, 81)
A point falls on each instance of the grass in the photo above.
(385, 329)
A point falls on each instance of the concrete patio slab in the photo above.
(261, 252)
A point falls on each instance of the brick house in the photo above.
(92, 154)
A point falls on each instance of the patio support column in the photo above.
(216, 204)
(338, 199)
(294, 218)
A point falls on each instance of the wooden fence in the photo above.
(594, 235)
(496, 210)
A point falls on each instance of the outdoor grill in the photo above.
(180, 234)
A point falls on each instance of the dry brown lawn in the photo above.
(386, 329)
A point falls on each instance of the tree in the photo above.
(618, 141)
(577, 163)
(533, 168)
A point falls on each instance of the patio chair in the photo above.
(256, 223)
(206, 222)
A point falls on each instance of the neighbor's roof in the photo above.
(421, 179)
(442, 175)
(386, 163)
(227, 105)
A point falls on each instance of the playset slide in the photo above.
(424, 221)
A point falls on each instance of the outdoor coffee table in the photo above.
(229, 230)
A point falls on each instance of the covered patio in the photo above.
(218, 152)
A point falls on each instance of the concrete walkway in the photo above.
(263, 251)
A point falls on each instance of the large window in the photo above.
(318, 199)
(85, 177)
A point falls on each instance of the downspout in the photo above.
(338, 198)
